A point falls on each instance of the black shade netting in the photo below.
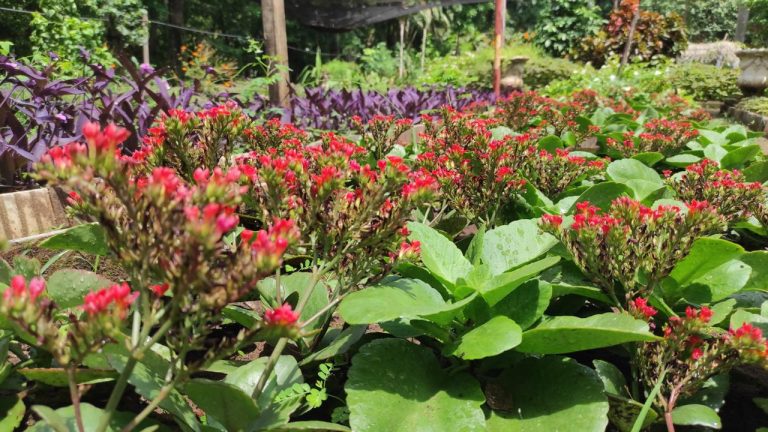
(349, 14)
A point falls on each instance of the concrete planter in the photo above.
(754, 121)
(512, 73)
(30, 213)
(754, 71)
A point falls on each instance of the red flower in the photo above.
(551, 221)
(696, 353)
(642, 306)
(159, 289)
(118, 296)
(281, 316)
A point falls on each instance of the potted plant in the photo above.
(754, 71)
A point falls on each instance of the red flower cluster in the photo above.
(726, 190)
(19, 292)
(282, 316)
(631, 239)
(116, 298)
(640, 308)
(553, 173)
(750, 342)
(380, 134)
(269, 245)
(275, 134)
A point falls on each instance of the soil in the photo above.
(73, 260)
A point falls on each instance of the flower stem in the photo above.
(269, 367)
(74, 394)
(117, 394)
(669, 422)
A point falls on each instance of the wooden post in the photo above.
(145, 47)
(273, 18)
(401, 68)
(498, 42)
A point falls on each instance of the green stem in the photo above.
(74, 394)
(117, 394)
(269, 367)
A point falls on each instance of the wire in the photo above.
(193, 30)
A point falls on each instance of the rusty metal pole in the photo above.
(498, 43)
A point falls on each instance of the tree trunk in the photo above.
(741, 22)
(276, 42)
(628, 45)
(175, 17)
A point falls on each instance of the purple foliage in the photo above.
(330, 109)
(38, 111)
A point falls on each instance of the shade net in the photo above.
(349, 14)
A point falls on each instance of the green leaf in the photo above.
(27, 267)
(712, 393)
(298, 282)
(706, 254)
(499, 287)
(148, 377)
(63, 419)
(68, 287)
(57, 377)
(439, 254)
(649, 158)
(551, 143)
(735, 159)
(696, 415)
(718, 283)
(245, 317)
(740, 317)
(12, 411)
(402, 298)
(526, 304)
(550, 394)
(311, 426)
(565, 334)
(612, 378)
(682, 160)
(495, 336)
(643, 180)
(720, 311)
(394, 385)
(224, 404)
(756, 172)
(475, 249)
(343, 342)
(642, 418)
(512, 245)
(6, 272)
(285, 374)
(87, 238)
(602, 194)
(758, 261)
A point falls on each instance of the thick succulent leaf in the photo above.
(565, 334)
(396, 386)
(512, 245)
(550, 394)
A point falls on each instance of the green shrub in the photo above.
(656, 36)
(757, 105)
(562, 23)
(541, 71)
(705, 20)
(704, 82)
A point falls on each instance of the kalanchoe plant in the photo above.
(659, 135)
(379, 135)
(168, 235)
(692, 351)
(554, 173)
(630, 248)
(726, 190)
(351, 215)
(477, 174)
